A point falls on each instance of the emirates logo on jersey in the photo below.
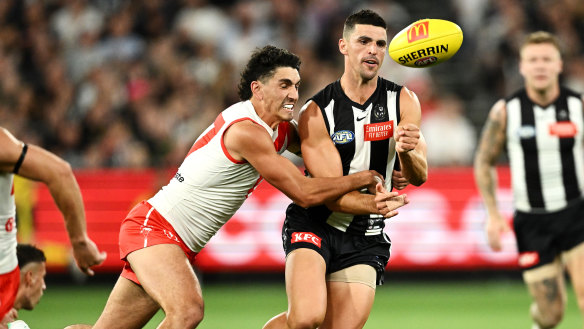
(378, 131)
(563, 129)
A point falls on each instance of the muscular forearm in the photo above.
(354, 203)
(315, 191)
(414, 167)
(65, 191)
(486, 180)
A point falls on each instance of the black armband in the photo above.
(21, 159)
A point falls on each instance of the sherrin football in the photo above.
(425, 43)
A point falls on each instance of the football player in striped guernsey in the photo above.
(541, 126)
(337, 253)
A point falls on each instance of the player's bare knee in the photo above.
(189, 315)
(304, 321)
(548, 318)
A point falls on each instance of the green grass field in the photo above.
(492, 304)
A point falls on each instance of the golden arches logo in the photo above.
(418, 31)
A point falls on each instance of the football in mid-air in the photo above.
(425, 43)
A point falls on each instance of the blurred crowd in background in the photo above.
(114, 83)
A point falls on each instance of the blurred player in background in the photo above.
(336, 254)
(31, 262)
(542, 128)
(160, 237)
(35, 163)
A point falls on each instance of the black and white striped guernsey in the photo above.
(545, 151)
(363, 136)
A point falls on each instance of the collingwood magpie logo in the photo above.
(379, 113)
(562, 115)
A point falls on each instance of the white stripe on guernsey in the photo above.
(361, 159)
(146, 223)
(549, 159)
(329, 116)
(575, 108)
(516, 152)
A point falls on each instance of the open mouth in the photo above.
(289, 107)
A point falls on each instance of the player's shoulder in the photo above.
(389, 85)
(324, 96)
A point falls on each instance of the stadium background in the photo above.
(121, 89)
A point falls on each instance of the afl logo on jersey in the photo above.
(525, 132)
(343, 137)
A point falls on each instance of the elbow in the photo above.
(307, 200)
(419, 178)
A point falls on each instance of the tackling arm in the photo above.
(247, 140)
(56, 174)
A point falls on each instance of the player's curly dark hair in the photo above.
(263, 64)
(365, 16)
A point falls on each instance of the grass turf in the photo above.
(499, 304)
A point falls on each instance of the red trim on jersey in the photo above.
(12, 190)
(219, 122)
(260, 179)
(232, 159)
(283, 132)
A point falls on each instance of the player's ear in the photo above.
(28, 278)
(256, 90)
(343, 46)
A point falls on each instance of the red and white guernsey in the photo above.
(210, 185)
(8, 260)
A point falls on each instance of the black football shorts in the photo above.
(543, 237)
(338, 249)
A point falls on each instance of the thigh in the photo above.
(127, 307)
(167, 276)
(305, 284)
(349, 301)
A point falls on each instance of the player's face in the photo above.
(280, 93)
(540, 65)
(365, 49)
(36, 286)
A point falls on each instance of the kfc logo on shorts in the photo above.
(306, 237)
(528, 259)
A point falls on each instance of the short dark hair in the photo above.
(28, 253)
(364, 16)
(263, 64)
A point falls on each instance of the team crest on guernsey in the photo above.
(379, 113)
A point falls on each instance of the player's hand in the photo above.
(398, 181)
(374, 179)
(87, 255)
(389, 202)
(495, 227)
(406, 137)
(11, 316)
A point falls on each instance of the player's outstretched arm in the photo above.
(41, 165)
(322, 159)
(410, 143)
(249, 141)
(490, 147)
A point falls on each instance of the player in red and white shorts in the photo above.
(160, 237)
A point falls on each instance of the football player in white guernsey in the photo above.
(331, 284)
(160, 237)
(542, 127)
(35, 163)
